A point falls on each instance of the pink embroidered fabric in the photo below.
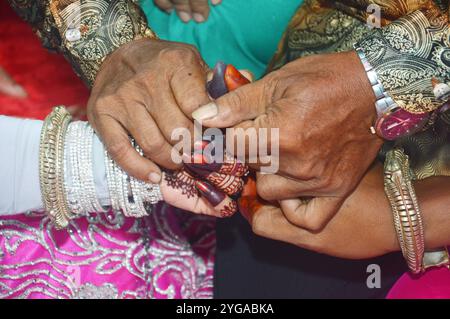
(169, 254)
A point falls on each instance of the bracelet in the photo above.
(74, 196)
(405, 208)
(66, 152)
(127, 193)
(51, 166)
(87, 170)
(383, 100)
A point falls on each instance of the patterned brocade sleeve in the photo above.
(411, 56)
(85, 31)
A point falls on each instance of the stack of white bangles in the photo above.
(67, 172)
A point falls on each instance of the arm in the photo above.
(85, 31)
(363, 227)
(144, 87)
(87, 178)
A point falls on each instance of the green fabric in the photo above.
(244, 33)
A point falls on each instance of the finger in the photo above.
(178, 189)
(183, 8)
(165, 5)
(200, 10)
(188, 87)
(268, 221)
(248, 202)
(312, 215)
(244, 103)
(230, 166)
(170, 117)
(229, 184)
(148, 136)
(248, 75)
(222, 204)
(118, 145)
(216, 2)
(275, 187)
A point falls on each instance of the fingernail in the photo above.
(216, 2)
(155, 178)
(212, 195)
(169, 11)
(217, 86)
(199, 18)
(205, 112)
(184, 16)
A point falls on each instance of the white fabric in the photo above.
(19, 166)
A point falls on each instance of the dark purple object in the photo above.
(212, 195)
(217, 86)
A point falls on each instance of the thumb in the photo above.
(313, 214)
(244, 103)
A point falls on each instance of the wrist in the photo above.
(434, 199)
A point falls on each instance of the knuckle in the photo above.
(179, 53)
(313, 224)
(171, 54)
(118, 150)
(236, 101)
(264, 190)
(152, 146)
(257, 226)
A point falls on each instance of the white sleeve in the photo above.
(19, 166)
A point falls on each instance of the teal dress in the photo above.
(244, 33)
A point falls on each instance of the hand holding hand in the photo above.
(362, 228)
(323, 106)
(146, 89)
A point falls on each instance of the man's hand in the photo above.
(363, 227)
(188, 9)
(146, 89)
(323, 106)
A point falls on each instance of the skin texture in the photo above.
(363, 227)
(188, 9)
(9, 87)
(147, 88)
(323, 106)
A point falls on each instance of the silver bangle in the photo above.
(87, 172)
(383, 100)
(127, 193)
(51, 166)
(73, 191)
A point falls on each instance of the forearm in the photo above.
(19, 167)
(434, 199)
(86, 32)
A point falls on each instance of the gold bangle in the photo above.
(405, 208)
(51, 166)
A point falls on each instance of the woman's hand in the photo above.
(9, 87)
(188, 9)
(205, 188)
